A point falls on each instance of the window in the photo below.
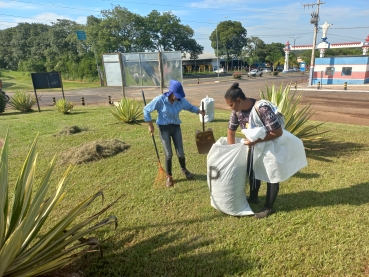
(329, 71)
(346, 71)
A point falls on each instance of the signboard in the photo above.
(302, 66)
(81, 35)
(46, 80)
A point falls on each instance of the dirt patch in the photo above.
(93, 151)
(70, 130)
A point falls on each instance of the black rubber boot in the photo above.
(182, 162)
(168, 167)
(267, 210)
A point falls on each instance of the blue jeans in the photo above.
(167, 134)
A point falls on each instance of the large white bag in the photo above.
(209, 109)
(226, 175)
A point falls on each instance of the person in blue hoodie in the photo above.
(168, 106)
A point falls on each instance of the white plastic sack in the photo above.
(226, 175)
(209, 109)
(277, 160)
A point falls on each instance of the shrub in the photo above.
(237, 75)
(127, 110)
(296, 118)
(22, 101)
(27, 246)
(275, 73)
(64, 106)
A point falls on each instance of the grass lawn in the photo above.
(320, 228)
(17, 80)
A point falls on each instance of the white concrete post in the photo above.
(287, 56)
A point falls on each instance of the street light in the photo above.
(314, 20)
(216, 34)
(294, 41)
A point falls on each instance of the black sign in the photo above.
(46, 80)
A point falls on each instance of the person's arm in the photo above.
(271, 123)
(269, 136)
(147, 113)
(191, 108)
(231, 136)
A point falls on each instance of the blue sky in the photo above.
(270, 20)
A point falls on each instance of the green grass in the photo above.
(17, 80)
(320, 228)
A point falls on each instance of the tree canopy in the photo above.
(40, 47)
(231, 39)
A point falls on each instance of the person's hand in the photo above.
(151, 130)
(249, 143)
(202, 112)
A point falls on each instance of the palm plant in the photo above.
(127, 110)
(296, 118)
(27, 246)
(64, 106)
(22, 101)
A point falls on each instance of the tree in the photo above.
(167, 34)
(274, 58)
(254, 47)
(231, 39)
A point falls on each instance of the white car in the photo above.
(255, 72)
(266, 70)
(220, 70)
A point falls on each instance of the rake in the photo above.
(161, 176)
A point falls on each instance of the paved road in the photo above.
(331, 103)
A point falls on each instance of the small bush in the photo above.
(64, 106)
(237, 75)
(22, 101)
(127, 110)
(275, 73)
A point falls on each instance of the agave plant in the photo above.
(127, 110)
(22, 101)
(24, 250)
(296, 117)
(64, 106)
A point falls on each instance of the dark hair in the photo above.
(234, 92)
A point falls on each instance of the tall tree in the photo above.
(167, 34)
(231, 39)
(255, 47)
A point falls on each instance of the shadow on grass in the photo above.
(322, 150)
(170, 253)
(355, 195)
(220, 120)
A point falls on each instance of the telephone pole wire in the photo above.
(314, 20)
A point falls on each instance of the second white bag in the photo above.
(226, 175)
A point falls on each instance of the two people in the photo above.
(168, 107)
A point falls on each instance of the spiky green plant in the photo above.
(296, 117)
(24, 250)
(64, 106)
(22, 101)
(127, 110)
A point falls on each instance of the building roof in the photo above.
(203, 56)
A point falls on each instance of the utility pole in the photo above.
(314, 20)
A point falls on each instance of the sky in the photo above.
(270, 20)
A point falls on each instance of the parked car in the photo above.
(266, 70)
(255, 72)
(279, 68)
(220, 70)
(295, 69)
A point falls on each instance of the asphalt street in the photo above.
(329, 103)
